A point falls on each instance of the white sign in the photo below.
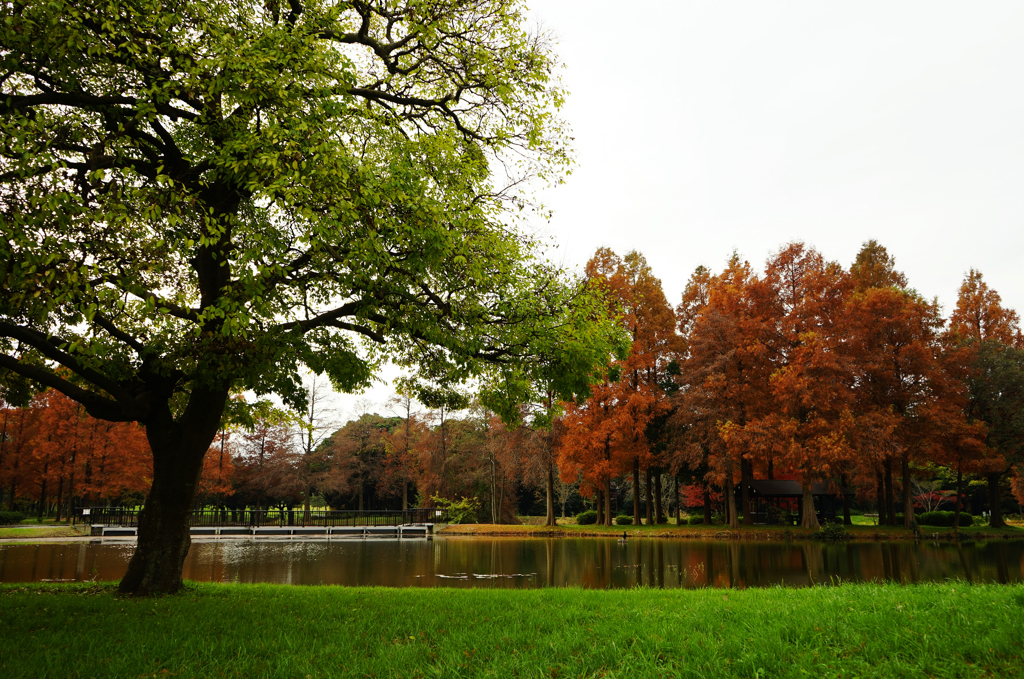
(86, 512)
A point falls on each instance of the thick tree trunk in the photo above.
(995, 516)
(679, 514)
(405, 494)
(746, 476)
(847, 521)
(600, 508)
(908, 498)
(647, 498)
(608, 502)
(707, 505)
(178, 450)
(659, 516)
(810, 515)
(890, 501)
(636, 492)
(880, 498)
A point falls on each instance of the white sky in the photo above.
(701, 127)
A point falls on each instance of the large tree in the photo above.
(200, 197)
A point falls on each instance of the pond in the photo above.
(536, 562)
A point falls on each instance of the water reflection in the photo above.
(528, 563)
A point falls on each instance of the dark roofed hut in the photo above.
(767, 494)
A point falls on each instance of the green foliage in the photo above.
(8, 518)
(621, 520)
(831, 531)
(944, 518)
(212, 196)
(695, 520)
(587, 517)
(458, 511)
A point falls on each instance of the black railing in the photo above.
(116, 516)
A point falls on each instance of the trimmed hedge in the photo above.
(586, 518)
(11, 518)
(944, 519)
(624, 520)
(695, 520)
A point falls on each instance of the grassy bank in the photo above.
(949, 630)
(758, 532)
(36, 531)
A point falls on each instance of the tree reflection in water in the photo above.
(539, 562)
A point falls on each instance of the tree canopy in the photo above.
(200, 197)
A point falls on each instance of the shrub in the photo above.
(831, 531)
(586, 518)
(695, 520)
(10, 518)
(623, 520)
(458, 511)
(944, 519)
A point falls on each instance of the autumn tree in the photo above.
(402, 442)
(608, 434)
(798, 309)
(723, 378)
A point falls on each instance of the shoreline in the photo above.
(753, 533)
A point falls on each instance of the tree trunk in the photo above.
(995, 516)
(600, 508)
(659, 516)
(405, 494)
(730, 499)
(608, 502)
(847, 521)
(890, 501)
(908, 498)
(636, 491)
(550, 518)
(810, 515)
(679, 515)
(959, 492)
(647, 498)
(707, 506)
(178, 450)
(746, 476)
(880, 498)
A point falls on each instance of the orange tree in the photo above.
(607, 435)
(990, 336)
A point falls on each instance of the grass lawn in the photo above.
(857, 531)
(217, 630)
(37, 531)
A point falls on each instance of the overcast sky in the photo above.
(703, 127)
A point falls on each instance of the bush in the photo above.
(11, 518)
(695, 520)
(831, 531)
(586, 518)
(623, 520)
(944, 519)
(458, 511)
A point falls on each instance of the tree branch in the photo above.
(95, 405)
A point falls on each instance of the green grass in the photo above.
(36, 531)
(857, 531)
(216, 630)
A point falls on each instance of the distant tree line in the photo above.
(807, 371)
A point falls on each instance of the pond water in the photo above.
(536, 562)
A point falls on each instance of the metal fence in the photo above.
(118, 516)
